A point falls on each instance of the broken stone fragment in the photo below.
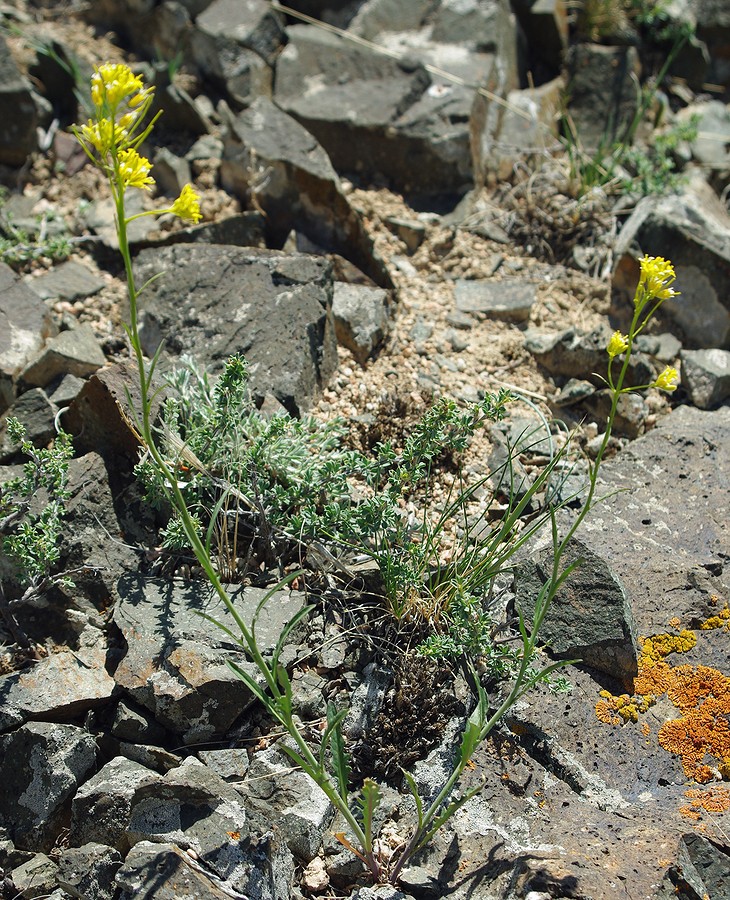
(73, 352)
(589, 619)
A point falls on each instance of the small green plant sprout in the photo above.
(19, 247)
(29, 537)
(407, 553)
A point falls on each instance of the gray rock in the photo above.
(376, 16)
(573, 391)
(35, 411)
(231, 763)
(68, 281)
(381, 892)
(18, 112)
(25, 325)
(507, 474)
(100, 415)
(573, 354)
(156, 871)
(88, 872)
(291, 800)
(62, 392)
(43, 765)
(270, 157)
(473, 23)
(242, 73)
(131, 723)
(701, 869)
(252, 24)
(710, 147)
(74, 352)
(172, 172)
(244, 229)
(692, 230)
(180, 111)
(150, 756)
(176, 661)
(706, 376)
(212, 302)
(603, 99)
(376, 115)
(63, 685)
(362, 319)
(509, 301)
(99, 219)
(410, 231)
(590, 618)
(35, 878)
(521, 129)
(545, 26)
(90, 545)
(195, 808)
(631, 412)
(101, 807)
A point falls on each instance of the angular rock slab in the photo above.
(692, 230)
(663, 526)
(42, 765)
(374, 114)
(706, 376)
(18, 112)
(61, 685)
(176, 661)
(165, 872)
(275, 308)
(362, 318)
(25, 324)
(590, 618)
(269, 156)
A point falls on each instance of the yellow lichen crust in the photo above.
(700, 737)
(714, 800)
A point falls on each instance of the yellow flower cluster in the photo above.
(112, 138)
(619, 343)
(667, 380)
(657, 276)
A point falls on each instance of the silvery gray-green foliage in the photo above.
(30, 537)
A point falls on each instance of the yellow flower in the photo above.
(619, 343)
(187, 205)
(112, 83)
(667, 380)
(135, 170)
(657, 274)
(103, 135)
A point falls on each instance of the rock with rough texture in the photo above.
(18, 112)
(291, 800)
(242, 73)
(176, 661)
(35, 878)
(73, 352)
(602, 98)
(100, 418)
(64, 684)
(706, 376)
(274, 308)
(362, 319)
(43, 765)
(575, 354)
(509, 301)
(270, 157)
(377, 115)
(88, 872)
(701, 869)
(590, 618)
(523, 128)
(692, 230)
(157, 871)
(37, 414)
(68, 281)
(25, 325)
(251, 24)
(545, 26)
(101, 807)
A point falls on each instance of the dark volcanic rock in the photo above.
(270, 157)
(42, 766)
(275, 308)
(18, 112)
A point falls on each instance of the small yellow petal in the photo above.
(135, 170)
(667, 380)
(187, 205)
(619, 343)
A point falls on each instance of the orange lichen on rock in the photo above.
(702, 695)
(721, 620)
(700, 737)
(715, 800)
